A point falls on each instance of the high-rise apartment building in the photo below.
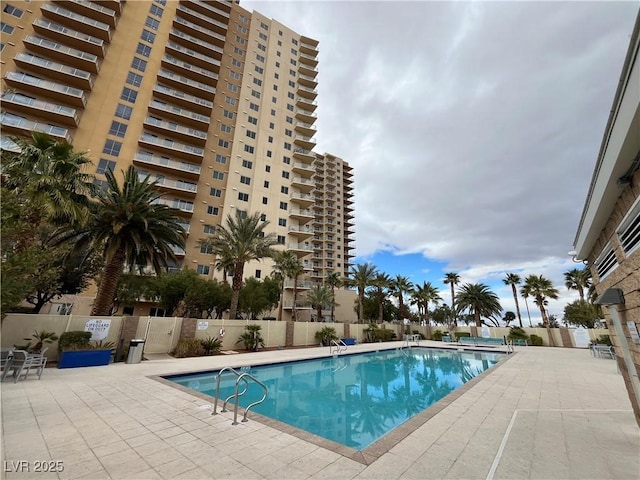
(215, 103)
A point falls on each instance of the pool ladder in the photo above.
(242, 376)
(339, 346)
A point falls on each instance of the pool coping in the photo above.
(381, 446)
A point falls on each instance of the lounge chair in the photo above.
(7, 359)
(37, 361)
(19, 365)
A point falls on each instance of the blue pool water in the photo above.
(352, 399)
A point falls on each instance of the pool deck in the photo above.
(545, 413)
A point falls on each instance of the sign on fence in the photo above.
(99, 328)
(203, 325)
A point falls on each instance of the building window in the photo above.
(283, 205)
(118, 129)
(251, 134)
(144, 50)
(258, 69)
(218, 175)
(223, 143)
(11, 10)
(269, 153)
(209, 229)
(265, 200)
(249, 149)
(257, 81)
(267, 168)
(241, 29)
(6, 28)
(221, 159)
(292, 73)
(245, 180)
(263, 217)
(228, 114)
(234, 75)
(286, 160)
(215, 192)
(225, 128)
(254, 107)
(266, 184)
(148, 36)
(290, 95)
(129, 95)
(203, 269)
(262, 36)
(262, 47)
(288, 133)
(282, 222)
(134, 79)
(285, 174)
(264, 26)
(236, 63)
(247, 164)
(206, 248)
(272, 125)
(240, 40)
(104, 165)
(230, 100)
(238, 51)
(252, 120)
(258, 273)
(243, 196)
(139, 64)
(255, 93)
(122, 111)
(289, 119)
(606, 262)
(212, 210)
(111, 147)
(287, 146)
(152, 23)
(274, 99)
(281, 239)
(629, 230)
(156, 10)
(260, 58)
(289, 107)
(284, 189)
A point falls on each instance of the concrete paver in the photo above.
(544, 413)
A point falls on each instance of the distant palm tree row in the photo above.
(474, 299)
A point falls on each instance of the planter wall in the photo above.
(83, 358)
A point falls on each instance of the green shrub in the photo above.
(325, 335)
(437, 335)
(603, 340)
(373, 333)
(211, 345)
(188, 347)
(535, 340)
(75, 340)
(517, 333)
(251, 338)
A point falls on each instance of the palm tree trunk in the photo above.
(515, 297)
(360, 305)
(333, 306)
(281, 302)
(477, 315)
(380, 309)
(453, 306)
(108, 284)
(545, 321)
(236, 287)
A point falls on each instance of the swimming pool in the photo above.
(352, 399)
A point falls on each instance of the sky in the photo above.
(473, 128)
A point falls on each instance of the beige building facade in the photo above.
(215, 103)
(608, 237)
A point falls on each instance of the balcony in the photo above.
(306, 104)
(198, 59)
(78, 22)
(175, 186)
(305, 128)
(171, 147)
(301, 215)
(58, 91)
(196, 43)
(183, 83)
(309, 49)
(307, 92)
(70, 37)
(165, 164)
(301, 232)
(305, 115)
(67, 55)
(179, 114)
(200, 105)
(181, 206)
(21, 126)
(199, 19)
(177, 251)
(91, 10)
(115, 5)
(302, 184)
(303, 169)
(299, 305)
(307, 80)
(311, 60)
(197, 73)
(307, 143)
(186, 134)
(71, 76)
(301, 284)
(40, 108)
(306, 156)
(210, 11)
(303, 199)
(299, 249)
(198, 31)
(307, 70)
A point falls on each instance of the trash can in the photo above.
(136, 346)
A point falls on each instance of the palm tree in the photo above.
(514, 279)
(320, 296)
(479, 300)
(283, 262)
(578, 279)
(131, 228)
(452, 279)
(294, 271)
(49, 177)
(380, 282)
(361, 276)
(540, 288)
(400, 286)
(241, 239)
(423, 295)
(334, 281)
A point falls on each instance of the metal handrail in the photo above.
(236, 394)
(340, 346)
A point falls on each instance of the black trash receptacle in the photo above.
(136, 346)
